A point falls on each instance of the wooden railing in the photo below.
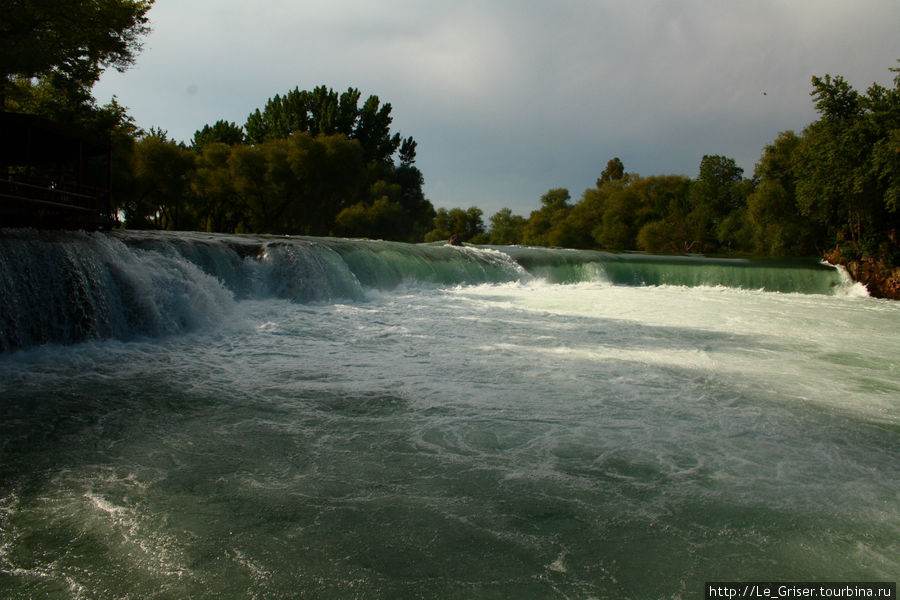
(53, 204)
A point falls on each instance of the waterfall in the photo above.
(67, 287)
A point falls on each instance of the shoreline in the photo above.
(881, 281)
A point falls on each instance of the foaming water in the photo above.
(65, 287)
(410, 437)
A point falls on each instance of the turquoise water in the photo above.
(268, 418)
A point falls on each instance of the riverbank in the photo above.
(880, 280)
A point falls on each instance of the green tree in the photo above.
(68, 42)
(717, 185)
(680, 227)
(252, 183)
(545, 225)
(656, 194)
(223, 132)
(623, 205)
(219, 207)
(51, 54)
(380, 219)
(331, 175)
(778, 228)
(718, 196)
(586, 216)
(323, 111)
(614, 170)
(374, 131)
(419, 211)
(659, 237)
(886, 168)
(342, 158)
(846, 167)
(613, 213)
(296, 185)
(162, 171)
(836, 101)
(408, 152)
(466, 224)
(618, 227)
(506, 228)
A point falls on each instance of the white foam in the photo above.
(849, 288)
(559, 565)
(106, 506)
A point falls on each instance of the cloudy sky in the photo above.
(510, 98)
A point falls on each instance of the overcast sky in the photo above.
(510, 98)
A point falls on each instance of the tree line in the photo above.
(832, 190)
(310, 162)
(319, 162)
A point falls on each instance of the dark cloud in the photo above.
(510, 98)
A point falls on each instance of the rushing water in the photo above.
(191, 416)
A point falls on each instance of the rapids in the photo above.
(198, 416)
(68, 287)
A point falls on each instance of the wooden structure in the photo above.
(52, 176)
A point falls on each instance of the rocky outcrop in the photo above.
(881, 281)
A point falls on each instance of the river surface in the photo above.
(190, 416)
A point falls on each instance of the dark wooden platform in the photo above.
(52, 176)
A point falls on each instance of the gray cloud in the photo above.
(510, 98)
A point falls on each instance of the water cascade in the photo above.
(66, 287)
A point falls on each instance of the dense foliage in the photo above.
(67, 43)
(311, 162)
(832, 190)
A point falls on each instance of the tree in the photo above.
(51, 54)
(586, 216)
(835, 99)
(612, 214)
(506, 228)
(886, 151)
(68, 42)
(312, 163)
(162, 171)
(614, 170)
(380, 219)
(555, 207)
(886, 167)
(357, 166)
(323, 112)
(408, 152)
(618, 227)
(716, 195)
(466, 224)
(778, 228)
(656, 194)
(681, 228)
(716, 185)
(624, 203)
(251, 179)
(223, 132)
(374, 131)
(219, 208)
(418, 210)
(846, 168)
(331, 175)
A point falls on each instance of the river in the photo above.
(201, 416)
